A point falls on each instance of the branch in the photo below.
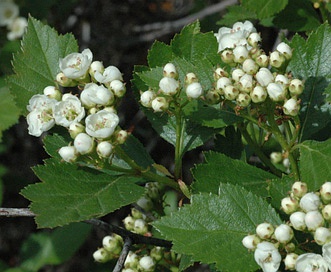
(159, 29)
(134, 237)
(125, 251)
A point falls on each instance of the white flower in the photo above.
(8, 12)
(276, 91)
(104, 149)
(326, 252)
(40, 118)
(264, 76)
(169, 85)
(109, 74)
(310, 262)
(17, 28)
(267, 257)
(146, 98)
(230, 38)
(101, 124)
(83, 143)
(283, 233)
(94, 94)
(68, 153)
(147, 263)
(310, 202)
(194, 90)
(68, 111)
(75, 65)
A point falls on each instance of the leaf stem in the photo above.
(180, 128)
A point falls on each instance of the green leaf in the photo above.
(69, 193)
(230, 143)
(9, 112)
(312, 61)
(54, 248)
(235, 14)
(264, 9)
(159, 54)
(315, 163)
(278, 189)
(218, 168)
(37, 63)
(212, 227)
(299, 15)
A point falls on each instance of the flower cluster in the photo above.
(111, 248)
(89, 116)
(251, 80)
(9, 17)
(310, 212)
(170, 88)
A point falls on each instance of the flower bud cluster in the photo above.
(136, 222)
(89, 116)
(170, 87)
(309, 212)
(251, 81)
(111, 248)
(9, 17)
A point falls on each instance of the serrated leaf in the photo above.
(54, 248)
(235, 14)
(264, 9)
(278, 189)
(299, 15)
(212, 227)
(218, 168)
(37, 63)
(159, 54)
(315, 163)
(230, 144)
(9, 112)
(312, 61)
(72, 194)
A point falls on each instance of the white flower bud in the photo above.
(246, 83)
(286, 163)
(104, 149)
(131, 260)
(52, 92)
(169, 86)
(259, 94)
(254, 39)
(8, 12)
(117, 87)
(76, 65)
(240, 53)
(311, 262)
(291, 107)
(237, 74)
(313, 220)
(264, 77)
(290, 261)
(83, 143)
(102, 124)
(322, 236)
(157, 253)
(264, 230)
(169, 70)
(267, 257)
(251, 241)
(299, 189)
(243, 100)
(326, 252)
(113, 243)
(101, 255)
(63, 81)
(136, 214)
(276, 157)
(190, 78)
(212, 97)
(296, 87)
(121, 136)
(289, 205)
(140, 226)
(68, 153)
(262, 60)
(160, 104)
(219, 72)
(326, 212)
(250, 66)
(285, 49)
(282, 79)
(276, 91)
(283, 233)
(147, 264)
(325, 192)
(129, 222)
(194, 90)
(230, 92)
(109, 74)
(227, 56)
(222, 82)
(297, 220)
(277, 59)
(310, 202)
(96, 66)
(75, 128)
(146, 98)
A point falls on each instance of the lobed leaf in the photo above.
(264, 9)
(212, 227)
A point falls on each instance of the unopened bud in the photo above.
(75, 128)
(104, 149)
(190, 78)
(326, 212)
(285, 49)
(219, 72)
(291, 107)
(310, 202)
(84, 143)
(322, 236)
(160, 104)
(129, 222)
(117, 87)
(52, 92)
(243, 100)
(254, 39)
(250, 66)
(262, 60)
(227, 56)
(240, 53)
(101, 255)
(121, 136)
(169, 70)
(290, 261)
(63, 81)
(212, 97)
(259, 94)
(237, 74)
(277, 59)
(276, 157)
(230, 92)
(222, 82)
(264, 77)
(313, 220)
(283, 233)
(194, 90)
(296, 87)
(289, 205)
(68, 153)
(297, 220)
(251, 241)
(299, 189)
(140, 226)
(276, 91)
(146, 98)
(147, 264)
(265, 230)
(169, 86)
